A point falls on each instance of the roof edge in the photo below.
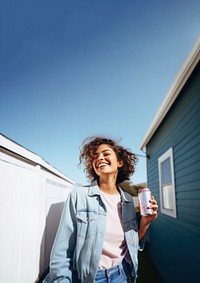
(179, 81)
(19, 150)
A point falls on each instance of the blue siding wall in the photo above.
(175, 243)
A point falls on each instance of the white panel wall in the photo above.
(31, 202)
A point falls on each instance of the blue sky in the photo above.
(73, 69)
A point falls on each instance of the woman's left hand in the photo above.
(149, 218)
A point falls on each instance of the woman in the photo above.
(98, 236)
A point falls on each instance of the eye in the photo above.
(107, 153)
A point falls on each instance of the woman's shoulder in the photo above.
(82, 195)
(77, 187)
(81, 189)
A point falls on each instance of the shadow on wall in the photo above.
(52, 223)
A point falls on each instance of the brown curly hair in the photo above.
(89, 147)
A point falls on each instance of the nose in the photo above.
(100, 157)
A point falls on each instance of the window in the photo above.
(167, 184)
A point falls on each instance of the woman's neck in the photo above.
(108, 186)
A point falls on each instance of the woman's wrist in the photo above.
(143, 227)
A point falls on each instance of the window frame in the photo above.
(161, 159)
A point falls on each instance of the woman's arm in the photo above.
(63, 247)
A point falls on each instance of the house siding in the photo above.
(175, 244)
(32, 196)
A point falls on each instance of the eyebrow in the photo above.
(108, 149)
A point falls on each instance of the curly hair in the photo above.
(89, 147)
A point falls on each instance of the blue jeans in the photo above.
(117, 274)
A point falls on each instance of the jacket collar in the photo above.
(94, 190)
(123, 195)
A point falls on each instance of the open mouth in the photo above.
(102, 165)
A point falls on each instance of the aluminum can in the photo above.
(144, 196)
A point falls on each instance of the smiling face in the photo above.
(105, 161)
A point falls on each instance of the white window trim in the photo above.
(167, 154)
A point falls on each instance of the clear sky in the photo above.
(78, 68)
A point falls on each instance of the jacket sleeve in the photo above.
(144, 240)
(61, 260)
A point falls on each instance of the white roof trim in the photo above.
(180, 80)
(17, 149)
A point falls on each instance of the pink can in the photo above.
(144, 196)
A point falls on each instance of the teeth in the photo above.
(102, 164)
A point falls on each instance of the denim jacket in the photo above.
(79, 240)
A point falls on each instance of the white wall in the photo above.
(32, 194)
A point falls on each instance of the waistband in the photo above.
(123, 266)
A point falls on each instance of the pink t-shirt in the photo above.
(114, 245)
